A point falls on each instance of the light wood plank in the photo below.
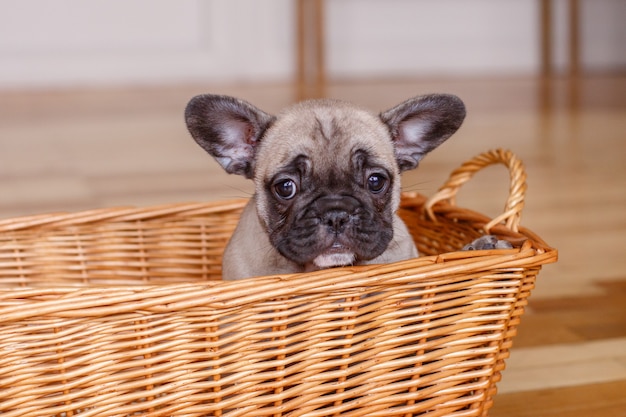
(557, 366)
(597, 400)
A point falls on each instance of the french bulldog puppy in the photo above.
(326, 175)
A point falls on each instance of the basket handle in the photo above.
(517, 188)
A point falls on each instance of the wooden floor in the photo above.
(73, 150)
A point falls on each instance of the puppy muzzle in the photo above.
(337, 213)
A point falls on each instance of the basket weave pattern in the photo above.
(119, 312)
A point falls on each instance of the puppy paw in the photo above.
(487, 242)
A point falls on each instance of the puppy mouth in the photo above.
(336, 255)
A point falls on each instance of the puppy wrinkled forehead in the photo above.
(322, 128)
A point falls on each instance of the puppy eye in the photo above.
(285, 189)
(376, 183)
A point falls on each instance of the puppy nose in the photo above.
(336, 211)
(336, 220)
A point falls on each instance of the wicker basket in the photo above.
(120, 312)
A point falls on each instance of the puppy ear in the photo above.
(227, 128)
(421, 124)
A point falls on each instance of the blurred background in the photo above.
(72, 43)
(92, 96)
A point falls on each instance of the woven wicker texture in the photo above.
(119, 312)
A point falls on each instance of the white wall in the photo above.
(432, 36)
(46, 42)
(77, 42)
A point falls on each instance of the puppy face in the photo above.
(327, 184)
(326, 172)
